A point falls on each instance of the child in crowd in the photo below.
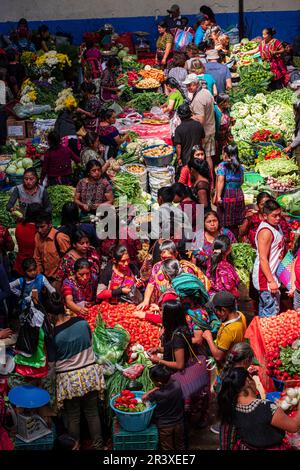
(220, 271)
(80, 289)
(24, 286)
(169, 410)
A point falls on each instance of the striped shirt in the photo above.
(73, 345)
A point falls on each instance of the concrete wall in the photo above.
(78, 16)
(41, 10)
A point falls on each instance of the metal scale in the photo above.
(30, 426)
(142, 44)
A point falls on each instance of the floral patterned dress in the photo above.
(203, 248)
(66, 268)
(79, 292)
(159, 281)
(226, 279)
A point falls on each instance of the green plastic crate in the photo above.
(142, 440)
(253, 178)
(44, 443)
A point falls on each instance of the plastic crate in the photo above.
(44, 443)
(253, 178)
(142, 440)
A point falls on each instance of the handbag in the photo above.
(194, 378)
(284, 270)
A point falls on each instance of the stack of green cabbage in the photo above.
(272, 111)
(19, 162)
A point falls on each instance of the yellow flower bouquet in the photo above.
(65, 100)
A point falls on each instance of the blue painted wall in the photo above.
(286, 23)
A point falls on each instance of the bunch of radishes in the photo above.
(291, 398)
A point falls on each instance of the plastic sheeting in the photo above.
(253, 333)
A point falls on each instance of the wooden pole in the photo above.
(241, 19)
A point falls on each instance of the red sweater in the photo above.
(25, 236)
(58, 162)
(185, 176)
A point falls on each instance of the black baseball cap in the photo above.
(224, 299)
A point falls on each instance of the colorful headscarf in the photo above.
(188, 285)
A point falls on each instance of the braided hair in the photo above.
(240, 352)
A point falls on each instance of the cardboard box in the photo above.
(29, 129)
(16, 129)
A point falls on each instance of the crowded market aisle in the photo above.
(119, 329)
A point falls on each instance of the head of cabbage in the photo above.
(27, 163)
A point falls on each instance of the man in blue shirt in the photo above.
(203, 23)
(220, 72)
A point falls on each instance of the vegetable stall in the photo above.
(276, 344)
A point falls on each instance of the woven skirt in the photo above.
(232, 210)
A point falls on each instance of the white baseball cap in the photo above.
(191, 78)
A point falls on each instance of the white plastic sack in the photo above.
(160, 177)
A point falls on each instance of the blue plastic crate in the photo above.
(142, 440)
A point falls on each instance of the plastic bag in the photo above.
(133, 297)
(116, 107)
(233, 33)
(32, 372)
(23, 111)
(109, 344)
(28, 337)
(182, 39)
(38, 359)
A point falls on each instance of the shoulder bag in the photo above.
(194, 378)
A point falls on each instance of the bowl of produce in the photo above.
(5, 159)
(264, 137)
(158, 155)
(147, 84)
(269, 151)
(136, 169)
(284, 184)
(151, 72)
(132, 414)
